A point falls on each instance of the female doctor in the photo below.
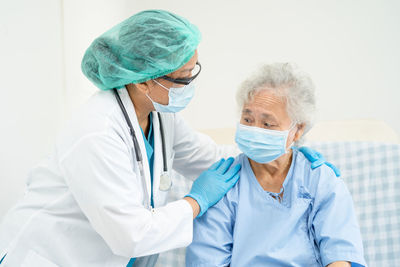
(100, 199)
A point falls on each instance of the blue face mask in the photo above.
(179, 98)
(261, 145)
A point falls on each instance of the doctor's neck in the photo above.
(142, 105)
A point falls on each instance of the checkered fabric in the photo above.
(175, 258)
(372, 174)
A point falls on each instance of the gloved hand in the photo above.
(317, 159)
(214, 183)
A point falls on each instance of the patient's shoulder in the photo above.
(320, 180)
(231, 197)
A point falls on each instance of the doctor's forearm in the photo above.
(195, 206)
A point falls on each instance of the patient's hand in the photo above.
(339, 264)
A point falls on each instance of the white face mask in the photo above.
(179, 98)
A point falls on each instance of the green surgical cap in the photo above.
(145, 46)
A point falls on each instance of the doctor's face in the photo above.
(160, 94)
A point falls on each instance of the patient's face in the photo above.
(266, 110)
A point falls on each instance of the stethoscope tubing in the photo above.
(138, 153)
(132, 131)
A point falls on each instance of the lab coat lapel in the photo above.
(130, 109)
(158, 157)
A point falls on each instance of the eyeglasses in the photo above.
(184, 81)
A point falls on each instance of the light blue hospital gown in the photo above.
(313, 225)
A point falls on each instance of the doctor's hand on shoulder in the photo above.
(212, 185)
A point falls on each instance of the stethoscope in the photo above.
(165, 180)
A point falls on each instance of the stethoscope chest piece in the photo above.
(165, 182)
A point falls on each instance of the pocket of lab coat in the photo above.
(35, 260)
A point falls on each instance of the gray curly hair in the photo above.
(288, 81)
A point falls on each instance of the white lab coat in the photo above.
(85, 205)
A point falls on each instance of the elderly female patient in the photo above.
(281, 212)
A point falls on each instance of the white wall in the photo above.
(83, 22)
(350, 48)
(31, 89)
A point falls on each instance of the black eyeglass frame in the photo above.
(184, 81)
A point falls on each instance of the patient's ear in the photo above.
(300, 131)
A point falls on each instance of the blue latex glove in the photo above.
(317, 159)
(214, 183)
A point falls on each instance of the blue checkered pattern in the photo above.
(372, 174)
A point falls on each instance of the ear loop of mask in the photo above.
(177, 90)
(159, 85)
(294, 124)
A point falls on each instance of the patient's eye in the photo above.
(246, 120)
(270, 125)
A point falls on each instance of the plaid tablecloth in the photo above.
(372, 174)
